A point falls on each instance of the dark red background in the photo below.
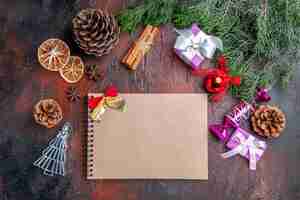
(23, 82)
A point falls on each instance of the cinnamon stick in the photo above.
(140, 47)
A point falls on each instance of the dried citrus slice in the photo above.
(53, 54)
(73, 71)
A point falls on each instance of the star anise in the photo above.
(72, 94)
(93, 73)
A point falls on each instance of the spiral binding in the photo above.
(90, 148)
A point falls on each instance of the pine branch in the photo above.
(261, 37)
(158, 12)
(130, 18)
(153, 12)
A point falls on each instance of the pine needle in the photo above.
(261, 37)
(153, 12)
(130, 18)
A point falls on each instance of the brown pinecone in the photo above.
(47, 112)
(268, 121)
(95, 31)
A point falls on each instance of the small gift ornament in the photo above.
(262, 95)
(217, 81)
(242, 110)
(111, 99)
(246, 145)
(193, 46)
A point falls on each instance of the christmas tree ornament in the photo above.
(53, 157)
(93, 73)
(268, 121)
(246, 145)
(73, 71)
(217, 81)
(53, 54)
(262, 95)
(110, 100)
(47, 112)
(193, 45)
(95, 31)
(72, 94)
(232, 120)
(140, 47)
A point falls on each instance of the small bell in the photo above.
(217, 82)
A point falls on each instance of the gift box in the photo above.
(246, 145)
(193, 46)
(221, 131)
(240, 111)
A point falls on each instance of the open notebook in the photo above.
(160, 136)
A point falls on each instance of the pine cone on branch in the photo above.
(95, 31)
(268, 121)
(47, 112)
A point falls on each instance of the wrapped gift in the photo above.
(262, 95)
(221, 131)
(193, 45)
(241, 111)
(232, 120)
(246, 145)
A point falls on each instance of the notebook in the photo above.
(159, 136)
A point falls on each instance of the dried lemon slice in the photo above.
(53, 54)
(73, 71)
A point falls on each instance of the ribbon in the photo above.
(192, 44)
(248, 146)
(221, 73)
(110, 99)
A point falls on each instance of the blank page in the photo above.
(160, 136)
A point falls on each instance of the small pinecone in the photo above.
(95, 31)
(268, 121)
(47, 112)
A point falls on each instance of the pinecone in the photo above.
(268, 121)
(47, 112)
(95, 31)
